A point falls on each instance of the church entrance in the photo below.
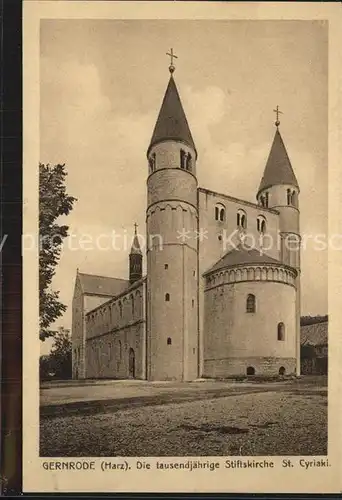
(131, 363)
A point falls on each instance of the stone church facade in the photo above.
(221, 296)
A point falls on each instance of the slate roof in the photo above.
(171, 122)
(278, 168)
(102, 285)
(242, 255)
(316, 334)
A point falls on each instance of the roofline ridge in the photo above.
(102, 276)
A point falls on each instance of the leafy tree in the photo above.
(61, 355)
(53, 203)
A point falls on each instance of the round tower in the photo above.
(279, 190)
(172, 255)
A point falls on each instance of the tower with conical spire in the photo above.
(135, 259)
(172, 255)
(279, 190)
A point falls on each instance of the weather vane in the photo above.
(278, 112)
(172, 56)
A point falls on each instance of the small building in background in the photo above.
(314, 347)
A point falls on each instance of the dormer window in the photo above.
(241, 219)
(220, 212)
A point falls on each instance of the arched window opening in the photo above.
(220, 212)
(250, 370)
(281, 331)
(266, 199)
(262, 201)
(169, 341)
(182, 159)
(120, 350)
(166, 266)
(167, 297)
(261, 224)
(288, 193)
(250, 303)
(152, 162)
(189, 162)
(294, 198)
(241, 219)
(282, 370)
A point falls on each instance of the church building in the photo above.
(221, 296)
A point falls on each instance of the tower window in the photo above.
(193, 302)
(220, 212)
(281, 331)
(166, 266)
(194, 273)
(294, 198)
(241, 219)
(189, 162)
(261, 224)
(266, 200)
(250, 370)
(250, 303)
(288, 192)
(167, 297)
(169, 341)
(182, 158)
(152, 162)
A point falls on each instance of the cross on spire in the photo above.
(278, 112)
(135, 227)
(172, 56)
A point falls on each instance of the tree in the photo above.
(57, 364)
(53, 203)
(61, 355)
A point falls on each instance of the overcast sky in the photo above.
(102, 83)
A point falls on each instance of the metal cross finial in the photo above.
(278, 112)
(135, 227)
(172, 56)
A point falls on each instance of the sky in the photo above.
(101, 86)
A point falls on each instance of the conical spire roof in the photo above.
(135, 248)
(278, 168)
(172, 123)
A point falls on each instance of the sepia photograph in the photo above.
(183, 246)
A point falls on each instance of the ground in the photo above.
(207, 418)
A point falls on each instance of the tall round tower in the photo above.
(172, 255)
(279, 189)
